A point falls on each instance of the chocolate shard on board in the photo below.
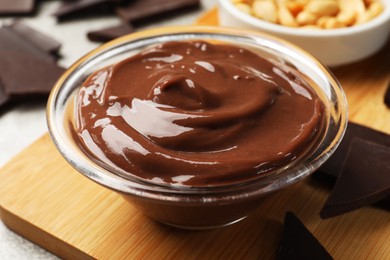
(36, 38)
(16, 7)
(333, 165)
(298, 243)
(111, 33)
(24, 74)
(70, 9)
(364, 179)
(387, 96)
(25, 69)
(12, 42)
(140, 10)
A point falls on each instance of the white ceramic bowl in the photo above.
(333, 47)
(196, 207)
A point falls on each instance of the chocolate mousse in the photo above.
(197, 113)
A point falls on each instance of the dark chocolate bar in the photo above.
(333, 165)
(12, 42)
(364, 178)
(23, 74)
(16, 7)
(36, 38)
(111, 33)
(71, 9)
(26, 69)
(298, 243)
(140, 10)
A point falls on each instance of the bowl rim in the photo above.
(155, 191)
(378, 21)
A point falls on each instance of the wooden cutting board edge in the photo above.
(40, 237)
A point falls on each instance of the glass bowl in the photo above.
(196, 207)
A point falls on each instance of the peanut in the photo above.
(373, 10)
(296, 6)
(348, 12)
(358, 5)
(347, 18)
(266, 10)
(306, 18)
(327, 22)
(322, 7)
(285, 16)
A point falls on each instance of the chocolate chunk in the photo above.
(71, 9)
(298, 243)
(16, 7)
(140, 10)
(111, 33)
(387, 96)
(36, 38)
(363, 180)
(12, 42)
(23, 74)
(26, 69)
(333, 165)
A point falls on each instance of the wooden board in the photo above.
(45, 200)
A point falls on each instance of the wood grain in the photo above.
(46, 200)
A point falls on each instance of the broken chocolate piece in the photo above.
(82, 7)
(333, 165)
(387, 96)
(298, 243)
(12, 42)
(111, 33)
(26, 69)
(363, 180)
(140, 10)
(36, 38)
(16, 7)
(24, 74)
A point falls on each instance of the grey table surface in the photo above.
(21, 125)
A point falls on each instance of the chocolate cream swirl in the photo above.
(196, 113)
